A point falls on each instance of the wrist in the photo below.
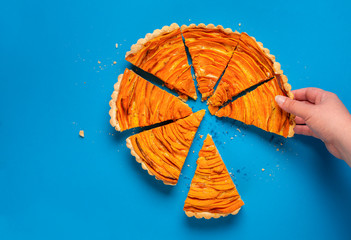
(343, 140)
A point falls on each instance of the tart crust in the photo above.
(209, 26)
(143, 165)
(113, 111)
(208, 215)
(157, 32)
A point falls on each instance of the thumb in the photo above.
(297, 108)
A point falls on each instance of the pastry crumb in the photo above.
(188, 165)
(99, 62)
(238, 130)
(85, 82)
(116, 45)
(231, 138)
(194, 151)
(114, 62)
(239, 24)
(81, 133)
(263, 169)
(277, 149)
(201, 136)
(270, 174)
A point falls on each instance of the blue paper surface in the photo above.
(56, 185)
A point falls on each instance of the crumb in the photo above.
(99, 62)
(189, 19)
(277, 149)
(224, 142)
(201, 136)
(281, 144)
(194, 151)
(188, 165)
(263, 169)
(231, 138)
(85, 82)
(116, 45)
(238, 130)
(81, 133)
(239, 24)
(270, 174)
(114, 62)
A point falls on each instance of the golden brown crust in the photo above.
(209, 26)
(139, 160)
(208, 215)
(113, 111)
(141, 42)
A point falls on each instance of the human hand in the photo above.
(321, 114)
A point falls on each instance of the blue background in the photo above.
(56, 185)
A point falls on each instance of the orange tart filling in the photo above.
(163, 54)
(210, 48)
(163, 150)
(249, 65)
(212, 192)
(259, 108)
(138, 103)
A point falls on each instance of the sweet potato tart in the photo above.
(259, 108)
(212, 192)
(137, 103)
(250, 64)
(162, 53)
(210, 48)
(162, 150)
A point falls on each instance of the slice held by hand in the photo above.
(162, 150)
(162, 53)
(138, 103)
(212, 192)
(260, 109)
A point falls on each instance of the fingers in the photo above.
(303, 130)
(297, 108)
(299, 120)
(307, 94)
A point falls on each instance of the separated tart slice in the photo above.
(163, 150)
(212, 192)
(138, 103)
(259, 108)
(163, 54)
(250, 64)
(210, 48)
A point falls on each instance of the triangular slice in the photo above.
(210, 48)
(139, 103)
(212, 192)
(163, 150)
(259, 108)
(249, 65)
(163, 54)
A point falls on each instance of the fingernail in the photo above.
(280, 99)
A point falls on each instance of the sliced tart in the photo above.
(212, 192)
(162, 53)
(250, 64)
(162, 150)
(210, 48)
(138, 103)
(259, 108)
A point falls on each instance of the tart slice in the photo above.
(210, 48)
(162, 150)
(212, 192)
(163, 54)
(259, 108)
(250, 64)
(139, 103)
